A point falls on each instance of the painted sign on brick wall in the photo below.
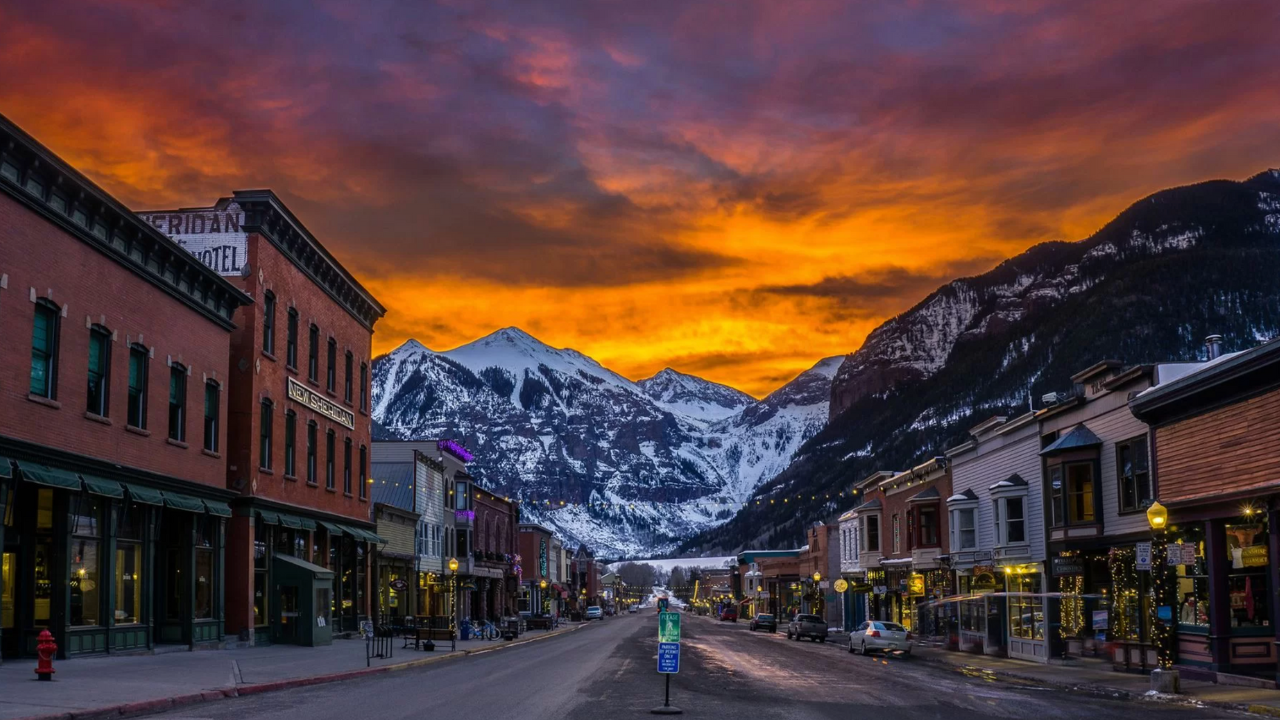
(213, 235)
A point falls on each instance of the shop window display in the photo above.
(1247, 574)
(1192, 578)
(86, 540)
(1026, 607)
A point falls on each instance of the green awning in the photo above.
(50, 477)
(374, 537)
(6, 470)
(215, 507)
(183, 502)
(268, 517)
(362, 534)
(102, 486)
(290, 521)
(145, 495)
(307, 523)
(333, 529)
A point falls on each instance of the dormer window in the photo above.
(1009, 508)
(964, 520)
(1071, 471)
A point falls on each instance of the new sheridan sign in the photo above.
(300, 393)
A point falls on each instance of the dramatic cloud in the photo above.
(731, 188)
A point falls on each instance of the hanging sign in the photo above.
(842, 585)
(915, 584)
(398, 585)
(1142, 556)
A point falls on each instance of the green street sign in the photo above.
(669, 627)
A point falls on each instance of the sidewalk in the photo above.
(1098, 678)
(139, 684)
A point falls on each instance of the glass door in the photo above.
(8, 599)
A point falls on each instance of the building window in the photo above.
(964, 533)
(364, 387)
(269, 323)
(177, 403)
(928, 526)
(328, 460)
(346, 382)
(364, 472)
(291, 340)
(313, 353)
(212, 401)
(1026, 606)
(44, 351)
(311, 452)
(264, 436)
(1011, 523)
(873, 533)
(99, 371)
(331, 375)
(461, 497)
(86, 543)
(346, 466)
(290, 443)
(1071, 492)
(1133, 474)
(897, 535)
(137, 387)
(128, 568)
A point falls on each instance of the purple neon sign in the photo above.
(456, 449)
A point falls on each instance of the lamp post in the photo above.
(543, 602)
(1164, 678)
(453, 603)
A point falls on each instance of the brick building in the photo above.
(535, 566)
(495, 549)
(113, 411)
(299, 425)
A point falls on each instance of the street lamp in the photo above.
(1164, 678)
(453, 604)
(817, 577)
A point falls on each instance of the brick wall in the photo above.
(1227, 450)
(91, 288)
(257, 376)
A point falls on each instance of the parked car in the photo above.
(764, 621)
(632, 610)
(729, 614)
(810, 626)
(882, 636)
(595, 612)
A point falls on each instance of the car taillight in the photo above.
(873, 633)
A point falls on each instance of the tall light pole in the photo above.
(453, 602)
(1164, 678)
(543, 602)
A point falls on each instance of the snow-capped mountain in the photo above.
(628, 468)
(1147, 287)
(693, 397)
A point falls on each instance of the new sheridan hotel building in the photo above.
(184, 420)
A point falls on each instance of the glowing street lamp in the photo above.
(453, 603)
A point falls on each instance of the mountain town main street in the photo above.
(607, 669)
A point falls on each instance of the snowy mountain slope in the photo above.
(638, 467)
(693, 397)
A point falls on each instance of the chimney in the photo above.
(1213, 346)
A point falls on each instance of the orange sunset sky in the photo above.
(734, 189)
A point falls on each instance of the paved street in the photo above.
(609, 667)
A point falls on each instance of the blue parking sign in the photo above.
(669, 658)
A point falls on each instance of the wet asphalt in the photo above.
(608, 670)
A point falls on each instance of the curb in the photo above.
(151, 707)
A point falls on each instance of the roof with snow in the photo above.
(967, 495)
(1078, 438)
(1014, 480)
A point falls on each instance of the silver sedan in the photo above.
(882, 636)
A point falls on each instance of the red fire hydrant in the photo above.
(44, 655)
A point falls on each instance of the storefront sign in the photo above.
(983, 582)
(1142, 556)
(915, 585)
(1099, 619)
(304, 395)
(1255, 556)
(1060, 566)
(842, 585)
(398, 585)
(213, 236)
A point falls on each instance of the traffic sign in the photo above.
(1142, 556)
(668, 657)
(668, 627)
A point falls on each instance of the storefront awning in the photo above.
(6, 470)
(49, 477)
(307, 523)
(102, 486)
(361, 534)
(268, 517)
(145, 495)
(178, 501)
(215, 507)
(333, 529)
(290, 521)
